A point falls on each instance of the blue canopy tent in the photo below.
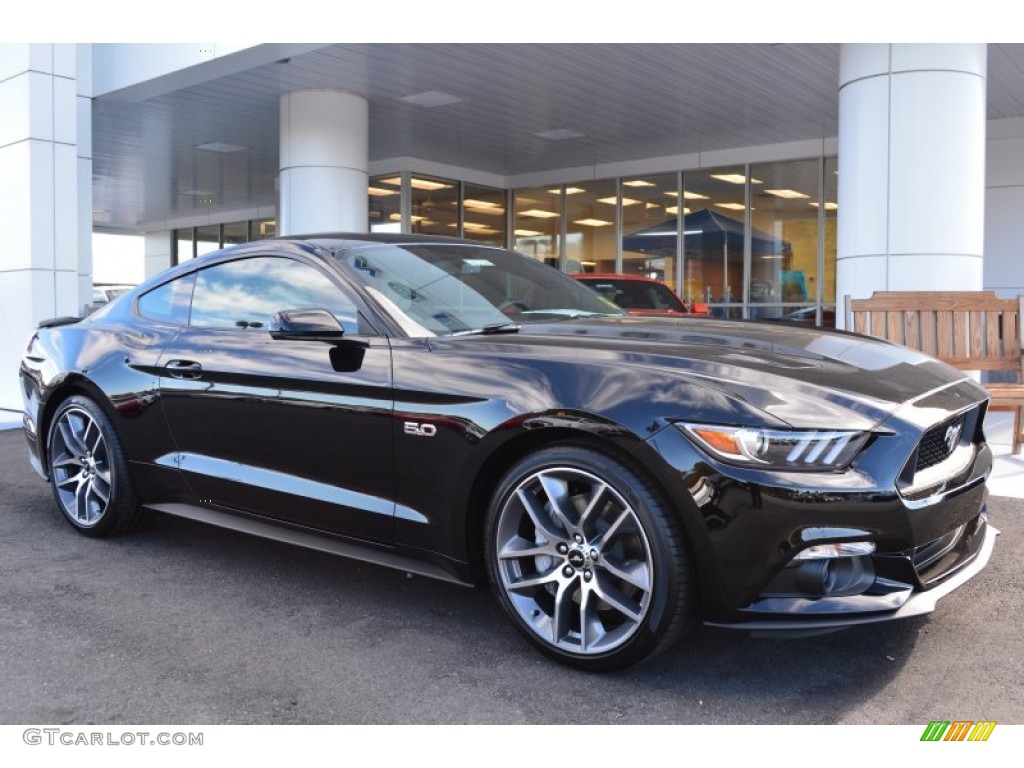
(707, 235)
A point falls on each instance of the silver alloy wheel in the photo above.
(574, 560)
(80, 467)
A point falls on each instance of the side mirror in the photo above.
(306, 325)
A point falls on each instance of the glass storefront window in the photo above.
(385, 196)
(435, 206)
(236, 232)
(714, 208)
(650, 210)
(590, 226)
(828, 277)
(484, 214)
(784, 239)
(207, 239)
(537, 223)
(263, 229)
(184, 248)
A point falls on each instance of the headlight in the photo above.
(776, 448)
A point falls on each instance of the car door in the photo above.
(297, 431)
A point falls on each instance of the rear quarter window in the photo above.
(168, 303)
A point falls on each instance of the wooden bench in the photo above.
(970, 330)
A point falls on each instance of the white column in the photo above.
(324, 156)
(45, 194)
(911, 168)
(158, 252)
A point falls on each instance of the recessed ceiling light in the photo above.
(527, 233)
(612, 201)
(732, 206)
(788, 194)
(481, 229)
(828, 206)
(413, 219)
(219, 146)
(560, 134)
(430, 99)
(674, 210)
(687, 195)
(638, 183)
(734, 178)
(378, 192)
(483, 206)
(593, 222)
(425, 184)
(536, 213)
(568, 190)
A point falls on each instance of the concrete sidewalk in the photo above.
(1007, 476)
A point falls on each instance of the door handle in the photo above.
(183, 369)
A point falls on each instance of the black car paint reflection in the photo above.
(396, 442)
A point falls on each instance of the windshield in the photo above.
(448, 288)
(636, 294)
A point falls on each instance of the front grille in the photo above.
(939, 441)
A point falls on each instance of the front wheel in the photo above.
(88, 471)
(587, 559)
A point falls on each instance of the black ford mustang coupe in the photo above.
(463, 412)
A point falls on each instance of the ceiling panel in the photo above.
(629, 101)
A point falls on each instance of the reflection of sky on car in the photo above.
(252, 290)
(427, 295)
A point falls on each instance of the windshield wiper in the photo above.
(487, 330)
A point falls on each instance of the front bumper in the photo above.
(919, 529)
(808, 617)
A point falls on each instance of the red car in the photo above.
(641, 296)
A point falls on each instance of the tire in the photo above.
(88, 471)
(587, 559)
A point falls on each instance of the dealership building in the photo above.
(763, 180)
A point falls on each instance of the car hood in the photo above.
(804, 377)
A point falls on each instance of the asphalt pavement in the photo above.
(183, 623)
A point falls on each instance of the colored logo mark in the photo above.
(958, 730)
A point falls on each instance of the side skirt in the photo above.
(302, 538)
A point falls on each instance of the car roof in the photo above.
(614, 276)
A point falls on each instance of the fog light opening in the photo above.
(835, 576)
(837, 549)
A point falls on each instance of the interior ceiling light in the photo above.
(593, 222)
(378, 192)
(568, 190)
(430, 99)
(674, 210)
(527, 233)
(612, 201)
(638, 183)
(560, 134)
(536, 213)
(788, 194)
(483, 206)
(424, 184)
(219, 146)
(413, 219)
(828, 206)
(734, 178)
(687, 195)
(482, 229)
(733, 206)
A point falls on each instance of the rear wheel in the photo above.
(586, 558)
(88, 471)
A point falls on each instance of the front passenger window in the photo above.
(245, 294)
